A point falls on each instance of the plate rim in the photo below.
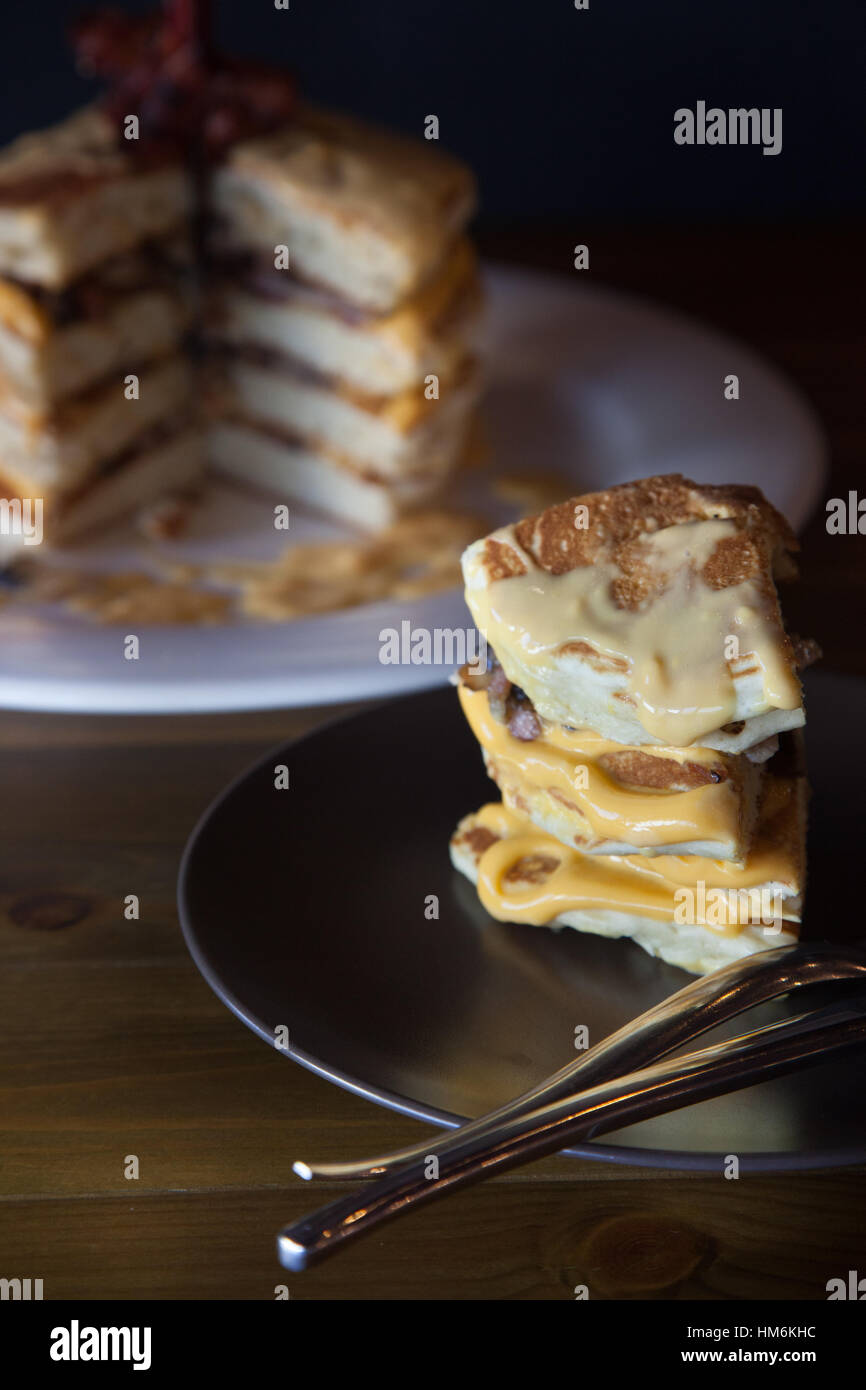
(672, 1160)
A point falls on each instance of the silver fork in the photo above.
(522, 1131)
(700, 1006)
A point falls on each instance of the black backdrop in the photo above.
(560, 111)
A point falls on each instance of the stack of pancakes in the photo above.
(95, 290)
(344, 379)
(350, 373)
(640, 712)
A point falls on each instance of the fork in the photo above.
(701, 1005)
(611, 1086)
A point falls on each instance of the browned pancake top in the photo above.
(620, 517)
(47, 167)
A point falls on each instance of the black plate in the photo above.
(306, 908)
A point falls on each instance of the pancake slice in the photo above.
(647, 612)
(366, 213)
(168, 460)
(254, 305)
(692, 912)
(308, 472)
(72, 196)
(129, 311)
(393, 436)
(49, 455)
(603, 798)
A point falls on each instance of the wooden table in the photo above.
(112, 1045)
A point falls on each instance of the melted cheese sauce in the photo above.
(563, 761)
(675, 646)
(634, 884)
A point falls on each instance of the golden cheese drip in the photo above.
(676, 646)
(567, 762)
(633, 884)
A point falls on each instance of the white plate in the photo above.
(598, 386)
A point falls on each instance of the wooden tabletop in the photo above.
(112, 1045)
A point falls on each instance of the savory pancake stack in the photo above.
(325, 264)
(344, 307)
(639, 713)
(95, 390)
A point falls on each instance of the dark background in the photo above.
(560, 111)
